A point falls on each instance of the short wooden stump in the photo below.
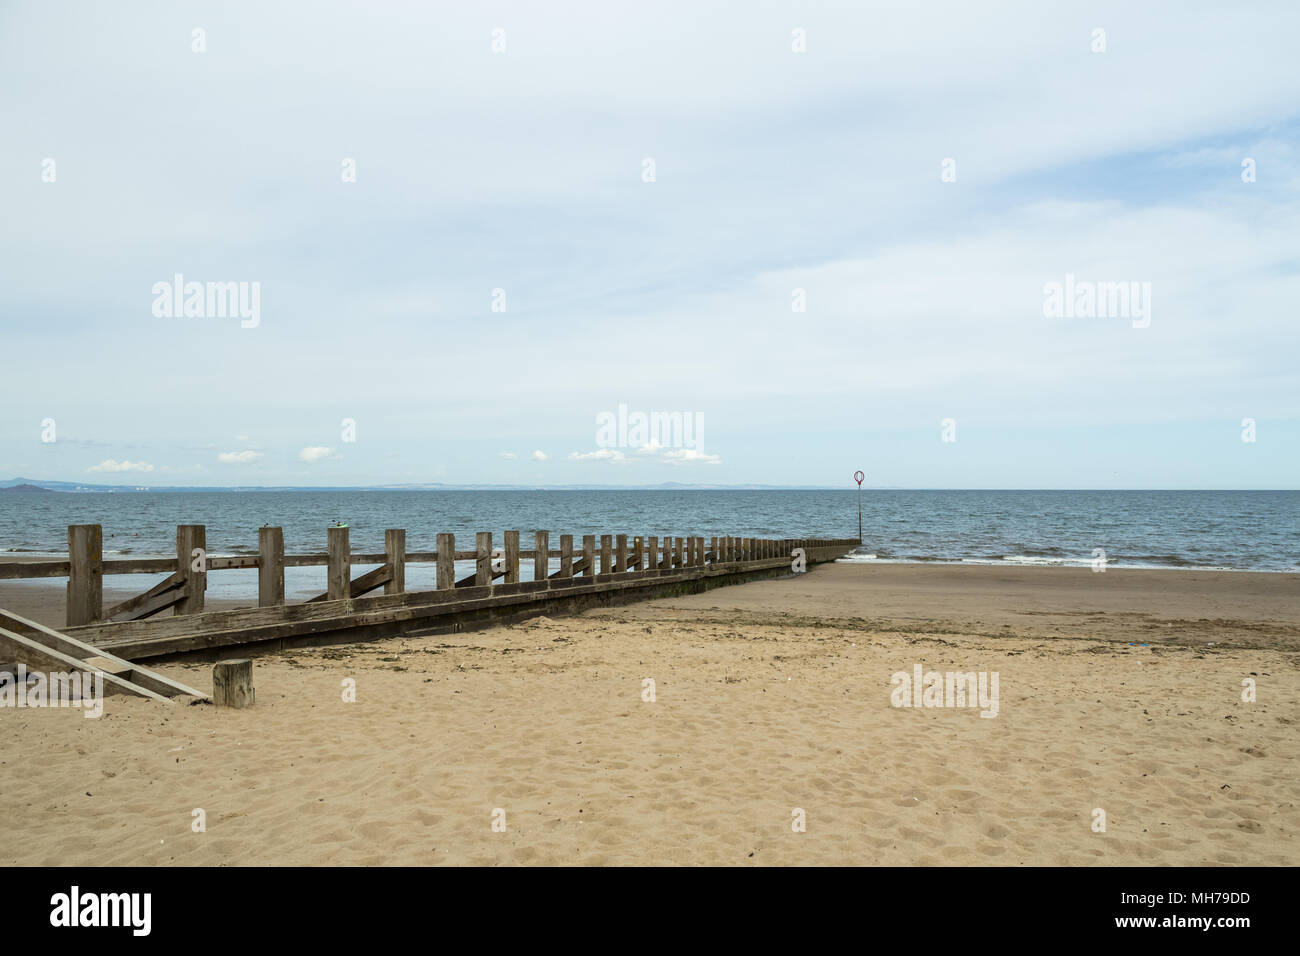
(232, 683)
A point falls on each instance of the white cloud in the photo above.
(651, 451)
(600, 454)
(314, 453)
(247, 456)
(538, 456)
(108, 464)
(681, 456)
(507, 455)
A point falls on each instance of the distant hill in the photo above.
(28, 488)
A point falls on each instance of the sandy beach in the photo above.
(1119, 691)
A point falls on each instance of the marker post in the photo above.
(858, 477)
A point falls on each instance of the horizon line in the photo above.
(90, 488)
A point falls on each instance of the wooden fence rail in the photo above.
(184, 587)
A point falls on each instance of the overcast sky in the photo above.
(524, 170)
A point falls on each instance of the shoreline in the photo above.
(1036, 599)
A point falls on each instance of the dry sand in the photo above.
(769, 697)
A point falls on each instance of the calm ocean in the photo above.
(1236, 530)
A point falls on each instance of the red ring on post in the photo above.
(859, 477)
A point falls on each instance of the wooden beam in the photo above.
(512, 557)
(446, 561)
(589, 554)
(483, 558)
(161, 596)
(35, 569)
(566, 556)
(339, 576)
(192, 562)
(395, 559)
(85, 603)
(270, 568)
(541, 555)
(60, 643)
(362, 585)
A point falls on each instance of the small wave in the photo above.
(1037, 560)
(1174, 560)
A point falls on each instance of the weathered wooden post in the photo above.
(512, 557)
(85, 603)
(679, 552)
(339, 571)
(606, 553)
(395, 557)
(566, 555)
(483, 558)
(446, 561)
(232, 683)
(620, 553)
(589, 554)
(541, 555)
(652, 553)
(713, 549)
(192, 563)
(270, 567)
(638, 553)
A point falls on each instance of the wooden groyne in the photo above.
(604, 570)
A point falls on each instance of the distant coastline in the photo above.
(37, 485)
(40, 484)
